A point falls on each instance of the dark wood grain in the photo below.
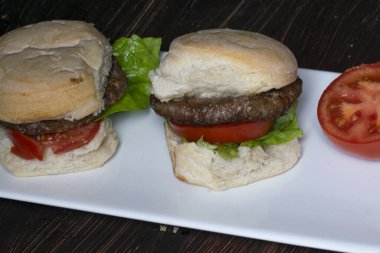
(326, 35)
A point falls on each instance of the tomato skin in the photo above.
(226, 133)
(369, 150)
(22, 153)
(348, 111)
(30, 148)
(25, 146)
(70, 140)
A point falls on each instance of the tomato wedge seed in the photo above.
(349, 110)
(30, 148)
(226, 133)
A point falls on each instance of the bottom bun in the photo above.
(201, 166)
(93, 155)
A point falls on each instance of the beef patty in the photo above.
(116, 85)
(214, 111)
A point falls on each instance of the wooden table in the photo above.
(325, 35)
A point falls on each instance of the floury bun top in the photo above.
(222, 63)
(41, 66)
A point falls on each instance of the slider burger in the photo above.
(56, 78)
(221, 91)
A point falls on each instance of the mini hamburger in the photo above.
(56, 78)
(226, 91)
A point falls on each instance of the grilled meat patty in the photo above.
(215, 111)
(116, 85)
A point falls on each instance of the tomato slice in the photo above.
(349, 110)
(25, 146)
(70, 140)
(226, 133)
(29, 148)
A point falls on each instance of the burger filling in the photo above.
(225, 123)
(30, 140)
(225, 110)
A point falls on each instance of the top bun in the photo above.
(223, 62)
(52, 70)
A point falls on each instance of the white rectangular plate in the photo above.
(328, 200)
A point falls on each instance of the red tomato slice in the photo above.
(70, 140)
(28, 148)
(227, 133)
(25, 146)
(349, 110)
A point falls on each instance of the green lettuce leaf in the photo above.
(204, 144)
(136, 56)
(284, 129)
(226, 151)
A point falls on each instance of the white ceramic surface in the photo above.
(328, 200)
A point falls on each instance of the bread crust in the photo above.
(201, 166)
(223, 62)
(93, 155)
(52, 70)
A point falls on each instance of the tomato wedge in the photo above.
(226, 133)
(349, 111)
(70, 140)
(25, 146)
(30, 148)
